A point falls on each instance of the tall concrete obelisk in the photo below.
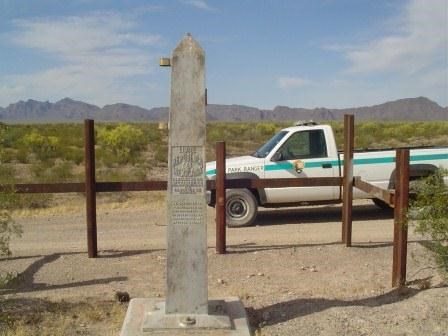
(187, 225)
(187, 306)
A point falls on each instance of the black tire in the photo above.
(381, 204)
(414, 187)
(241, 208)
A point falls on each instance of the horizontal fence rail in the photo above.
(377, 192)
(131, 186)
(56, 188)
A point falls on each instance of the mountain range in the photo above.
(69, 110)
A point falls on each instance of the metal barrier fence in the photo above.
(397, 199)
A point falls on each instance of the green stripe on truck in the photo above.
(316, 164)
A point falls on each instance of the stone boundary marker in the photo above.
(187, 309)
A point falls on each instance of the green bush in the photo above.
(124, 141)
(430, 211)
(8, 228)
(57, 172)
(45, 147)
(161, 154)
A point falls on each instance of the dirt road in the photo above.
(290, 270)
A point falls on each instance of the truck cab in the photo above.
(305, 150)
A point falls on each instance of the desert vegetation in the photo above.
(39, 153)
(43, 152)
(430, 214)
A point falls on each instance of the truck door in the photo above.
(303, 154)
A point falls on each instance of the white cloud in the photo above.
(199, 4)
(419, 39)
(94, 56)
(292, 82)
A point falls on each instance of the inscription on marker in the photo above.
(187, 170)
(186, 212)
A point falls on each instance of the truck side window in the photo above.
(304, 145)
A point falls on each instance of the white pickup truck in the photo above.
(309, 150)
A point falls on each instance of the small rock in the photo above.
(266, 316)
(312, 269)
(260, 274)
(122, 296)
(424, 284)
(221, 281)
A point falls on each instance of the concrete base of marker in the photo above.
(227, 317)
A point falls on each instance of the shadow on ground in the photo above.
(251, 247)
(25, 281)
(326, 214)
(285, 311)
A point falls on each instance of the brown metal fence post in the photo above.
(89, 153)
(400, 225)
(347, 196)
(220, 197)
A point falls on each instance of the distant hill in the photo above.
(69, 110)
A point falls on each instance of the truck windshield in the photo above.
(264, 150)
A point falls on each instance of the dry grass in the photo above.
(75, 203)
(45, 318)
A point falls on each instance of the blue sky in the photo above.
(299, 53)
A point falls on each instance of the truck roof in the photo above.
(301, 128)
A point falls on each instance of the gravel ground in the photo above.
(291, 272)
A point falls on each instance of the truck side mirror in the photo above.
(277, 157)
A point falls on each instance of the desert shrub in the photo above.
(430, 212)
(266, 128)
(124, 142)
(33, 201)
(161, 154)
(7, 173)
(153, 134)
(62, 172)
(126, 174)
(58, 171)
(73, 154)
(44, 147)
(8, 228)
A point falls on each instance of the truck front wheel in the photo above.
(241, 207)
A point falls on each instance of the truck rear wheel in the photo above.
(241, 207)
(381, 204)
